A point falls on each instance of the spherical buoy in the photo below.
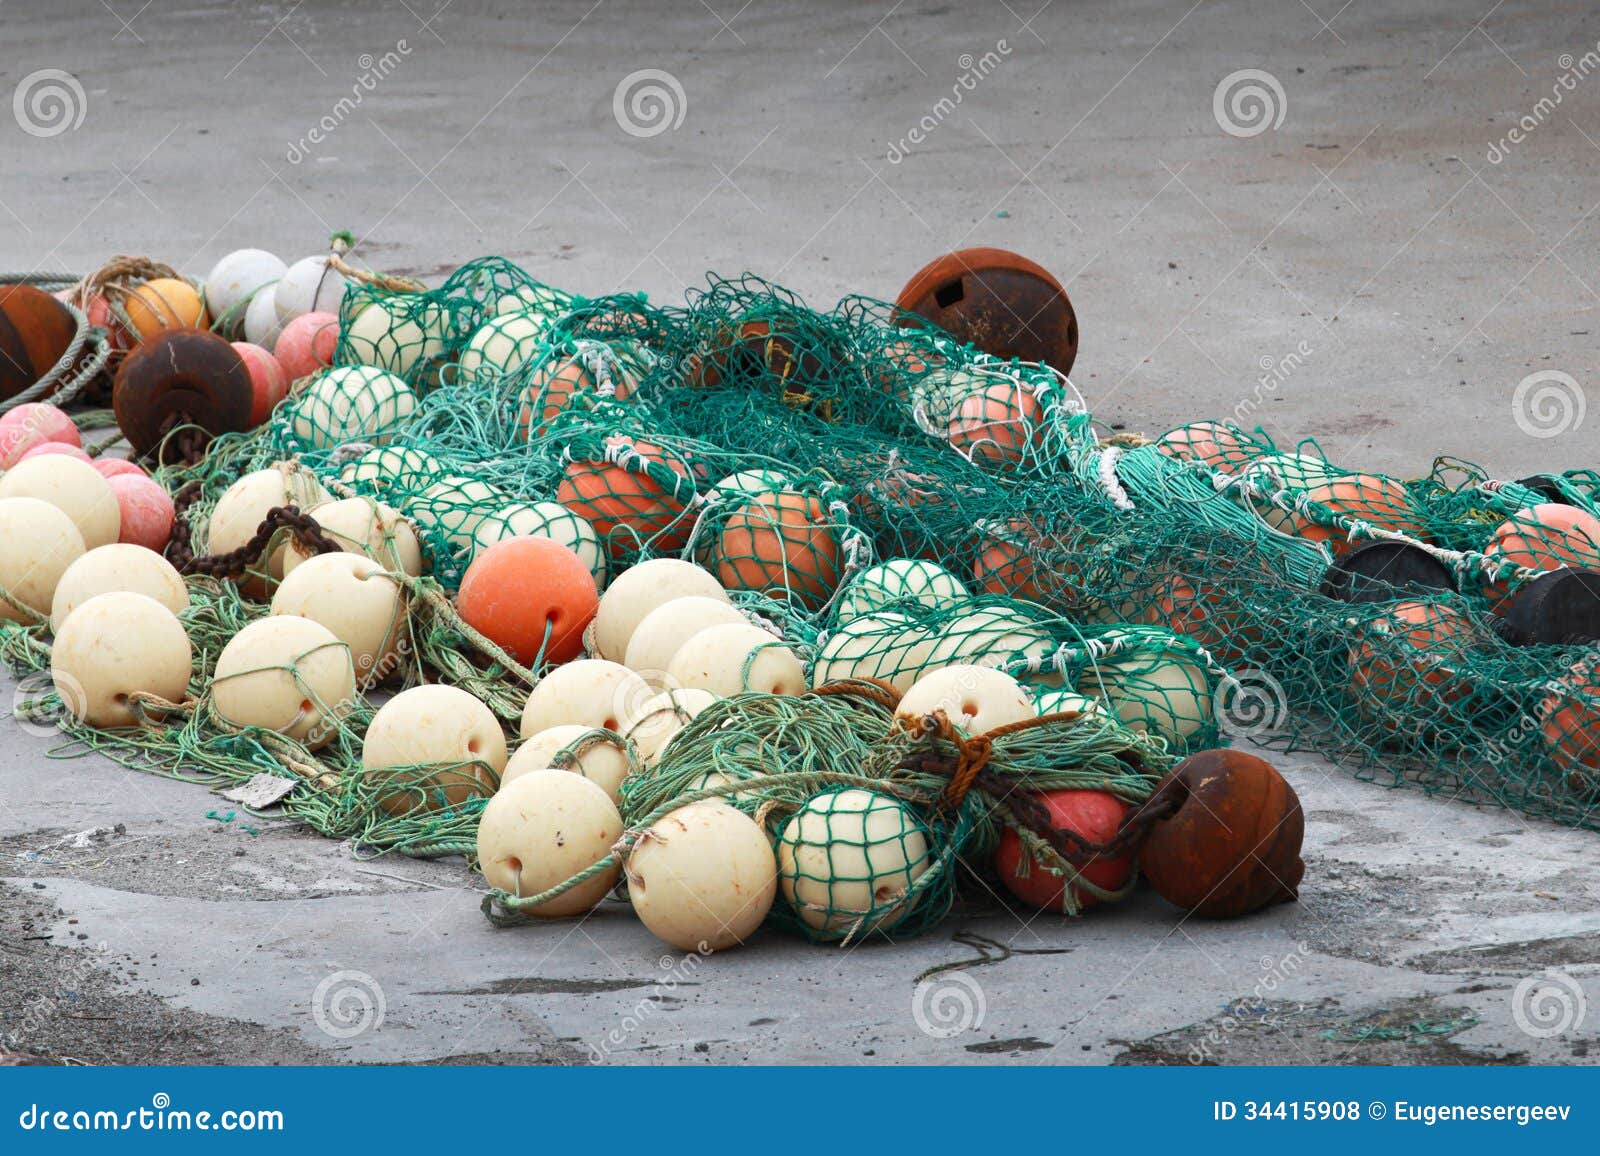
(603, 761)
(235, 279)
(554, 384)
(398, 468)
(504, 343)
(1412, 655)
(1294, 471)
(119, 566)
(310, 285)
(592, 692)
(116, 645)
(543, 828)
(1007, 562)
(994, 636)
(977, 699)
(887, 645)
(396, 333)
(1058, 700)
(1545, 537)
(638, 591)
(164, 303)
(118, 467)
(782, 544)
(454, 508)
(1233, 844)
(307, 344)
(181, 377)
(532, 597)
(1152, 686)
(1088, 816)
(244, 505)
(1220, 446)
(1384, 502)
(31, 425)
(1211, 613)
(285, 674)
(999, 424)
(659, 718)
(1571, 722)
(431, 747)
(1000, 301)
(897, 581)
(702, 878)
(545, 520)
(363, 526)
(261, 324)
(38, 542)
(45, 449)
(146, 511)
(737, 658)
(75, 488)
(662, 632)
(847, 861)
(352, 597)
(352, 403)
(628, 506)
(35, 331)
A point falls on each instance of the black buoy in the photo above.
(1558, 608)
(1385, 571)
(1547, 486)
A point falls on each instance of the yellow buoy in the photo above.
(285, 674)
(113, 647)
(543, 828)
(119, 566)
(430, 747)
(702, 877)
(38, 542)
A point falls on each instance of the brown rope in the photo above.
(233, 564)
(393, 284)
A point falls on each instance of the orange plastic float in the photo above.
(778, 543)
(1090, 816)
(1544, 537)
(532, 597)
(1208, 612)
(996, 424)
(35, 330)
(1411, 655)
(1220, 446)
(1384, 502)
(164, 303)
(1571, 727)
(553, 386)
(627, 507)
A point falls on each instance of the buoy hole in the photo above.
(950, 293)
(473, 746)
(969, 708)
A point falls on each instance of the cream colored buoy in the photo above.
(899, 580)
(977, 699)
(1059, 701)
(638, 591)
(543, 828)
(603, 761)
(659, 719)
(504, 343)
(75, 488)
(1165, 691)
(590, 692)
(847, 861)
(244, 505)
(392, 468)
(453, 508)
(38, 542)
(119, 566)
(363, 526)
(545, 520)
(114, 646)
(310, 285)
(395, 337)
(995, 636)
(286, 674)
(736, 658)
(431, 747)
(351, 403)
(703, 877)
(261, 324)
(353, 597)
(662, 633)
(886, 645)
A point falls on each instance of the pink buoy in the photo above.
(44, 448)
(307, 344)
(116, 467)
(31, 424)
(269, 384)
(147, 512)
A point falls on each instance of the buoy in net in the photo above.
(1088, 817)
(234, 281)
(545, 520)
(397, 332)
(117, 567)
(666, 628)
(432, 747)
(114, 646)
(1005, 304)
(1233, 844)
(1571, 722)
(638, 591)
(363, 526)
(244, 505)
(73, 487)
(847, 861)
(1152, 685)
(1057, 700)
(393, 468)
(286, 674)
(977, 699)
(360, 604)
(995, 424)
(886, 645)
(1380, 501)
(737, 658)
(504, 343)
(702, 878)
(781, 544)
(307, 344)
(592, 692)
(454, 508)
(601, 760)
(181, 377)
(532, 597)
(38, 542)
(1222, 447)
(1558, 608)
(35, 331)
(657, 720)
(1544, 537)
(1410, 657)
(164, 303)
(996, 636)
(541, 829)
(1385, 571)
(899, 580)
(628, 505)
(352, 403)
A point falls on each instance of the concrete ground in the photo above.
(1382, 266)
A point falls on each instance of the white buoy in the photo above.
(430, 747)
(363, 526)
(638, 591)
(38, 543)
(352, 403)
(114, 646)
(847, 861)
(119, 566)
(235, 279)
(310, 285)
(702, 877)
(736, 658)
(604, 762)
(353, 597)
(978, 699)
(543, 828)
(590, 692)
(76, 488)
(286, 674)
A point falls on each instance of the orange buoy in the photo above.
(1408, 657)
(627, 507)
(1208, 612)
(554, 384)
(1220, 446)
(781, 543)
(1086, 819)
(35, 330)
(1373, 498)
(307, 344)
(1571, 727)
(164, 303)
(532, 597)
(902, 363)
(996, 424)
(1544, 537)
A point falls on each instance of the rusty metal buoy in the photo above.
(1232, 845)
(35, 331)
(181, 377)
(999, 301)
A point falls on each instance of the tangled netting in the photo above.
(890, 501)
